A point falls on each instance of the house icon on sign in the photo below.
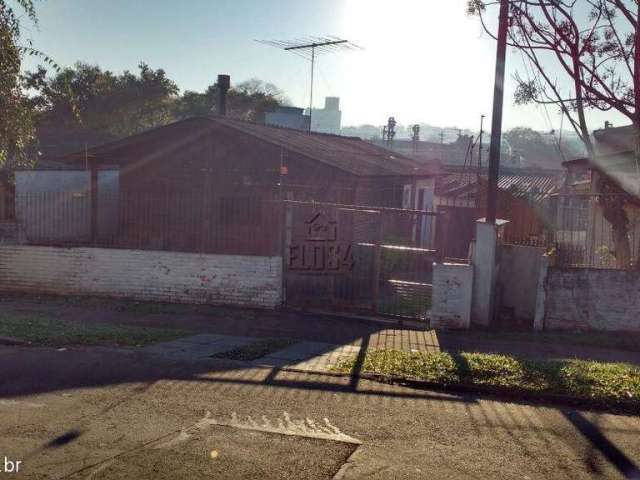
(320, 228)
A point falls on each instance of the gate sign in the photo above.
(320, 250)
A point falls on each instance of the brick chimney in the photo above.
(224, 83)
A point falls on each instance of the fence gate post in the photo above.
(93, 190)
(377, 266)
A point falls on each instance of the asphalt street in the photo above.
(104, 413)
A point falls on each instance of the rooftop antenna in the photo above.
(309, 48)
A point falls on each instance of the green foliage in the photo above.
(603, 382)
(539, 149)
(16, 127)
(86, 97)
(475, 7)
(248, 100)
(437, 367)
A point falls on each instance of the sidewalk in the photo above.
(312, 356)
(301, 327)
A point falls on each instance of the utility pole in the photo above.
(480, 146)
(313, 64)
(391, 130)
(496, 119)
(415, 137)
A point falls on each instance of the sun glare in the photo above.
(421, 48)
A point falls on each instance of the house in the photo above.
(210, 184)
(287, 117)
(524, 199)
(612, 176)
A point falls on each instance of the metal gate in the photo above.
(359, 259)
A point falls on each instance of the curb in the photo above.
(405, 323)
(10, 341)
(497, 393)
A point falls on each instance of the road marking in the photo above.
(284, 425)
(20, 403)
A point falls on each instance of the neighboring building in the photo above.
(329, 118)
(456, 153)
(208, 184)
(582, 227)
(323, 120)
(525, 199)
(288, 117)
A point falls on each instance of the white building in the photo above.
(329, 118)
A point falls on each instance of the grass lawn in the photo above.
(629, 341)
(41, 329)
(132, 306)
(606, 383)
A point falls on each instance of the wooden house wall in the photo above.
(209, 189)
(526, 220)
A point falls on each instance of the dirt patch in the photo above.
(255, 350)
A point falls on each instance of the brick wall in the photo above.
(143, 275)
(451, 303)
(518, 281)
(592, 299)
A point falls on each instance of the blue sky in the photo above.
(423, 61)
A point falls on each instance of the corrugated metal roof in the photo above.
(350, 154)
(534, 187)
(528, 186)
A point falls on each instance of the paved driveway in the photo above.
(97, 413)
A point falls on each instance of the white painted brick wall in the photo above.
(452, 290)
(143, 275)
(592, 299)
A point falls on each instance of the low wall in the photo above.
(143, 275)
(452, 291)
(518, 281)
(592, 299)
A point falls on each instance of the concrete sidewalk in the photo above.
(301, 327)
(304, 356)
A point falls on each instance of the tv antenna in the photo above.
(309, 48)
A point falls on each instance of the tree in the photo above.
(541, 149)
(593, 45)
(249, 100)
(87, 98)
(16, 126)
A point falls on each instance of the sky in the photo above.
(421, 60)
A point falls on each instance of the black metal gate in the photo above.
(359, 259)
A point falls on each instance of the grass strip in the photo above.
(40, 329)
(606, 383)
(255, 350)
(630, 341)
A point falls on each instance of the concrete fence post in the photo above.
(485, 273)
(541, 294)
